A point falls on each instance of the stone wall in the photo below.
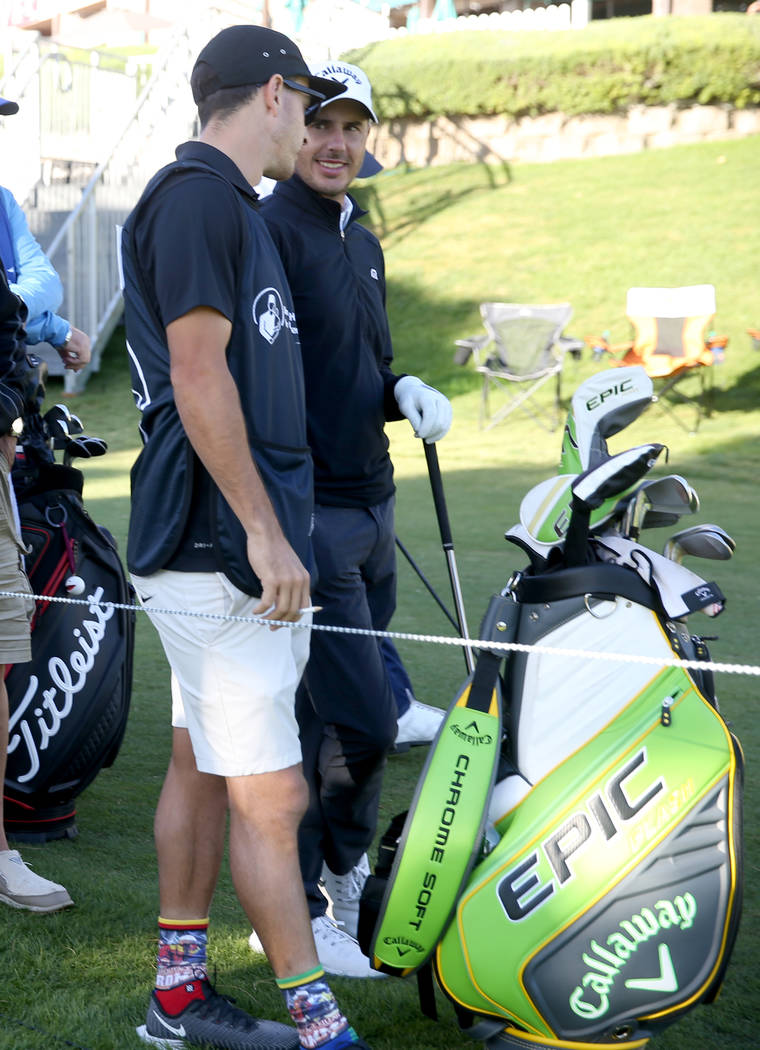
(553, 136)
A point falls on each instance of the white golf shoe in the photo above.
(418, 725)
(338, 952)
(345, 892)
(21, 888)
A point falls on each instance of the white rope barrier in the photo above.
(431, 639)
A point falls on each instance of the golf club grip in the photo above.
(436, 484)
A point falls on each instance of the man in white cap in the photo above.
(346, 710)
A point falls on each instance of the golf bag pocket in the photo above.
(69, 705)
(611, 902)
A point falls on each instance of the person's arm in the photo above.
(208, 403)
(37, 282)
(72, 344)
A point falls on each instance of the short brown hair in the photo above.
(221, 103)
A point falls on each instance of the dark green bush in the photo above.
(604, 68)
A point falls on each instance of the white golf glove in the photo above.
(428, 410)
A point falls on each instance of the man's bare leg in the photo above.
(265, 811)
(190, 826)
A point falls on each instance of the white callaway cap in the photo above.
(355, 81)
(357, 88)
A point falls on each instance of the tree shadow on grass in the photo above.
(422, 206)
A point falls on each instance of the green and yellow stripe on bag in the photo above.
(444, 827)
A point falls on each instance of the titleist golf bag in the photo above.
(570, 865)
(69, 705)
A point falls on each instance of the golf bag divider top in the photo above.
(403, 917)
(69, 705)
(610, 903)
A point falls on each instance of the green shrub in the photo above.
(605, 68)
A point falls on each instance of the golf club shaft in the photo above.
(439, 500)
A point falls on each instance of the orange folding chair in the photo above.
(672, 341)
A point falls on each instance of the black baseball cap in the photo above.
(243, 55)
(7, 108)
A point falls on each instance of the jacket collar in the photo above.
(299, 193)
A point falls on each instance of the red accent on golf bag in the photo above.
(69, 705)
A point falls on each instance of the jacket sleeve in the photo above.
(47, 328)
(38, 283)
(390, 406)
(13, 367)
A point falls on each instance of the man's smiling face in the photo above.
(333, 152)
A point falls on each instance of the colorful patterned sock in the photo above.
(181, 964)
(315, 1012)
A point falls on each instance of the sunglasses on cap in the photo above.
(311, 111)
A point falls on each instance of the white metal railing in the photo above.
(83, 249)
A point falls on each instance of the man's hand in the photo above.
(208, 403)
(427, 409)
(75, 354)
(285, 583)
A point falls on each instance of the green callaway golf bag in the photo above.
(570, 864)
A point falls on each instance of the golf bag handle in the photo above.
(442, 514)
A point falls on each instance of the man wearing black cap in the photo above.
(220, 521)
(346, 709)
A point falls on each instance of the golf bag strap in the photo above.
(456, 781)
(597, 579)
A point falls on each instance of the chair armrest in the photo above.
(471, 345)
(567, 344)
(600, 345)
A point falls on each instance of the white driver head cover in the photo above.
(603, 405)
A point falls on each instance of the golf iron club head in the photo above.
(83, 447)
(700, 541)
(670, 496)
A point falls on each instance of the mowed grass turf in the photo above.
(582, 231)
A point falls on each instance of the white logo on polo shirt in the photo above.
(270, 315)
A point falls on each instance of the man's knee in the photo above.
(270, 800)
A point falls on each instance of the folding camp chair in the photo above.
(671, 343)
(523, 348)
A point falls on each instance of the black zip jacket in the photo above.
(14, 369)
(338, 285)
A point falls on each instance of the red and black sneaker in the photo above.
(211, 1020)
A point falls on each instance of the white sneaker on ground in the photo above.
(345, 892)
(21, 888)
(338, 952)
(419, 724)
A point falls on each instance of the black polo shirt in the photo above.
(190, 242)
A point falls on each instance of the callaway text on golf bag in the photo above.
(581, 884)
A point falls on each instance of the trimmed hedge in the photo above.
(604, 68)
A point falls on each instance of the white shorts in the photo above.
(233, 684)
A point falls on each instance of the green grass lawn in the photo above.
(583, 231)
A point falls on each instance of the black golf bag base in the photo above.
(68, 706)
(37, 825)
